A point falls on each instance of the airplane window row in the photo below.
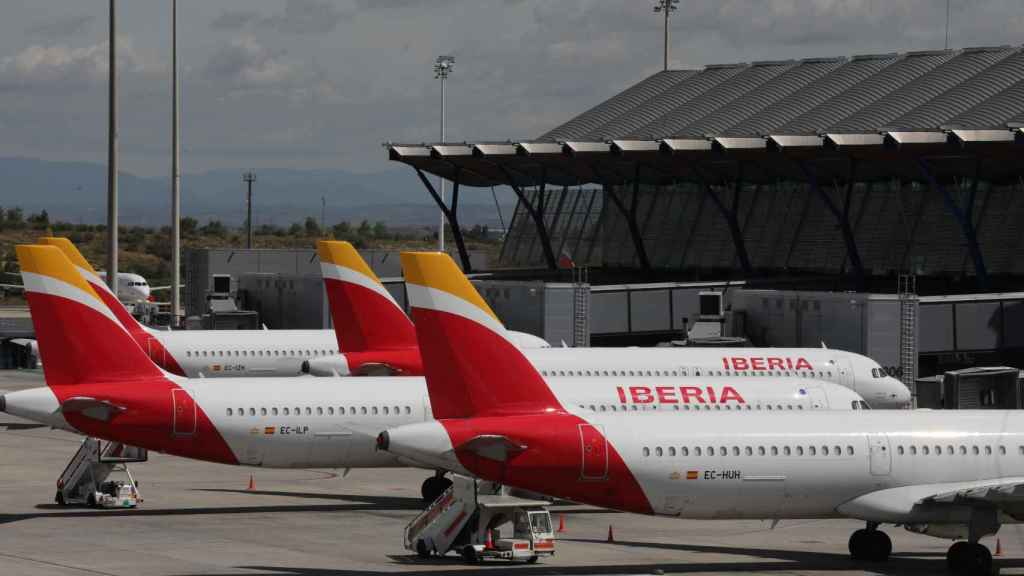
(236, 353)
(685, 407)
(666, 373)
(760, 450)
(949, 450)
(321, 411)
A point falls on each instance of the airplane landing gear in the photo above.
(433, 487)
(870, 544)
(969, 559)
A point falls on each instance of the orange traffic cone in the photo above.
(561, 522)
(999, 548)
(489, 544)
(252, 483)
(611, 534)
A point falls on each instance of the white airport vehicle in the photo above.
(950, 474)
(86, 479)
(468, 514)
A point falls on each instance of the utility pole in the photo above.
(175, 174)
(946, 47)
(666, 7)
(443, 66)
(112, 155)
(249, 178)
(323, 213)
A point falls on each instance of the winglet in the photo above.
(471, 365)
(366, 316)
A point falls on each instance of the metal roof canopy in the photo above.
(920, 116)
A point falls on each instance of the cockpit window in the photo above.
(864, 405)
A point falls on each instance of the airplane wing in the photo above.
(168, 287)
(981, 492)
(377, 369)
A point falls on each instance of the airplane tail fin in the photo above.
(78, 335)
(472, 366)
(98, 285)
(365, 315)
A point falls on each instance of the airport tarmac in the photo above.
(200, 518)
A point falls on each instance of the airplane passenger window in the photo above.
(769, 406)
(735, 451)
(647, 451)
(263, 411)
(988, 450)
(1020, 450)
(648, 372)
(362, 409)
(671, 451)
(799, 450)
(924, 450)
(374, 410)
(785, 450)
(839, 450)
(812, 451)
(710, 451)
(684, 451)
(974, 450)
(309, 411)
(286, 411)
(658, 452)
(273, 411)
(408, 410)
(297, 411)
(789, 406)
(899, 450)
(748, 451)
(252, 411)
(775, 450)
(697, 451)
(603, 408)
(341, 410)
(386, 410)
(849, 450)
(229, 411)
(824, 450)
(949, 450)
(938, 450)
(760, 450)
(1002, 450)
(913, 450)
(963, 450)
(319, 411)
(188, 353)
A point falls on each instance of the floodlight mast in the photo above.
(666, 7)
(443, 66)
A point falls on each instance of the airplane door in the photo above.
(881, 459)
(594, 449)
(844, 371)
(184, 410)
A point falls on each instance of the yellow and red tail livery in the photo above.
(78, 334)
(366, 316)
(157, 351)
(487, 376)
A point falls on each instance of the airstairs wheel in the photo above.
(59, 498)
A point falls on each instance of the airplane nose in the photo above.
(305, 367)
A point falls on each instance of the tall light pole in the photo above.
(112, 155)
(175, 174)
(443, 66)
(249, 178)
(667, 7)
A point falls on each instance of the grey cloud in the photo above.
(62, 27)
(298, 17)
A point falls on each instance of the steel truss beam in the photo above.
(451, 215)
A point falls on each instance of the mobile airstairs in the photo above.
(467, 517)
(84, 480)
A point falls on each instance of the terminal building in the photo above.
(869, 202)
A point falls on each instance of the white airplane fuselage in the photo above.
(319, 422)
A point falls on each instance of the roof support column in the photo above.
(451, 215)
(842, 217)
(630, 215)
(731, 215)
(536, 214)
(964, 216)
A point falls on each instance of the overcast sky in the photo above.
(322, 83)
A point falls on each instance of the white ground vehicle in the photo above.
(467, 518)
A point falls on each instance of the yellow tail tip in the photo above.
(437, 270)
(341, 253)
(50, 261)
(69, 249)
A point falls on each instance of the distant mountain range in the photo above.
(77, 192)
